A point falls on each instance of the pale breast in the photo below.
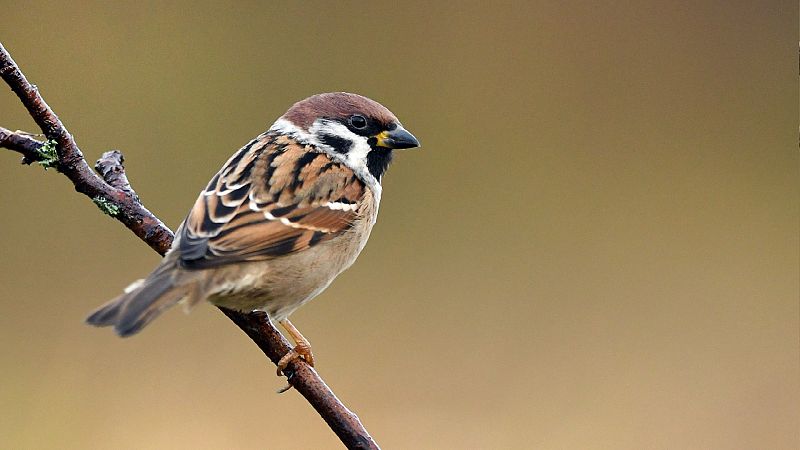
(281, 285)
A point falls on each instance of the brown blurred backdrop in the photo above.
(597, 247)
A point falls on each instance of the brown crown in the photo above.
(337, 106)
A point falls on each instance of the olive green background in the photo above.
(596, 247)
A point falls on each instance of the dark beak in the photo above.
(397, 139)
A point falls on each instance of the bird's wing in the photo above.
(273, 197)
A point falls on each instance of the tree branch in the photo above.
(29, 147)
(112, 192)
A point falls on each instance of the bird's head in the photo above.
(351, 128)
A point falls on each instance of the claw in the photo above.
(290, 356)
(301, 351)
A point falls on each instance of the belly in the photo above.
(280, 286)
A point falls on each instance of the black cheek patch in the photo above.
(340, 145)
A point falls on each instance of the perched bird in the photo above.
(284, 216)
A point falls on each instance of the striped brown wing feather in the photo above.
(270, 199)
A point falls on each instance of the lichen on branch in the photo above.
(108, 208)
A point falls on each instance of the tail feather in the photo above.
(141, 303)
(106, 315)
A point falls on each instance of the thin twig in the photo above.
(112, 192)
(28, 146)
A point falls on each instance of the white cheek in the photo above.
(356, 157)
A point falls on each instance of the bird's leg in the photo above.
(302, 348)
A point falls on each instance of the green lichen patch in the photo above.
(47, 155)
(106, 206)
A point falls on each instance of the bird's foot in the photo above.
(302, 350)
(299, 352)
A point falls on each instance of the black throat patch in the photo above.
(378, 160)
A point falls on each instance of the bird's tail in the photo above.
(143, 301)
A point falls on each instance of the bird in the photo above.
(283, 217)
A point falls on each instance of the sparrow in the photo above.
(284, 216)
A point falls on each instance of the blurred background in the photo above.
(597, 247)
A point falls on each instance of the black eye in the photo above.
(358, 122)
